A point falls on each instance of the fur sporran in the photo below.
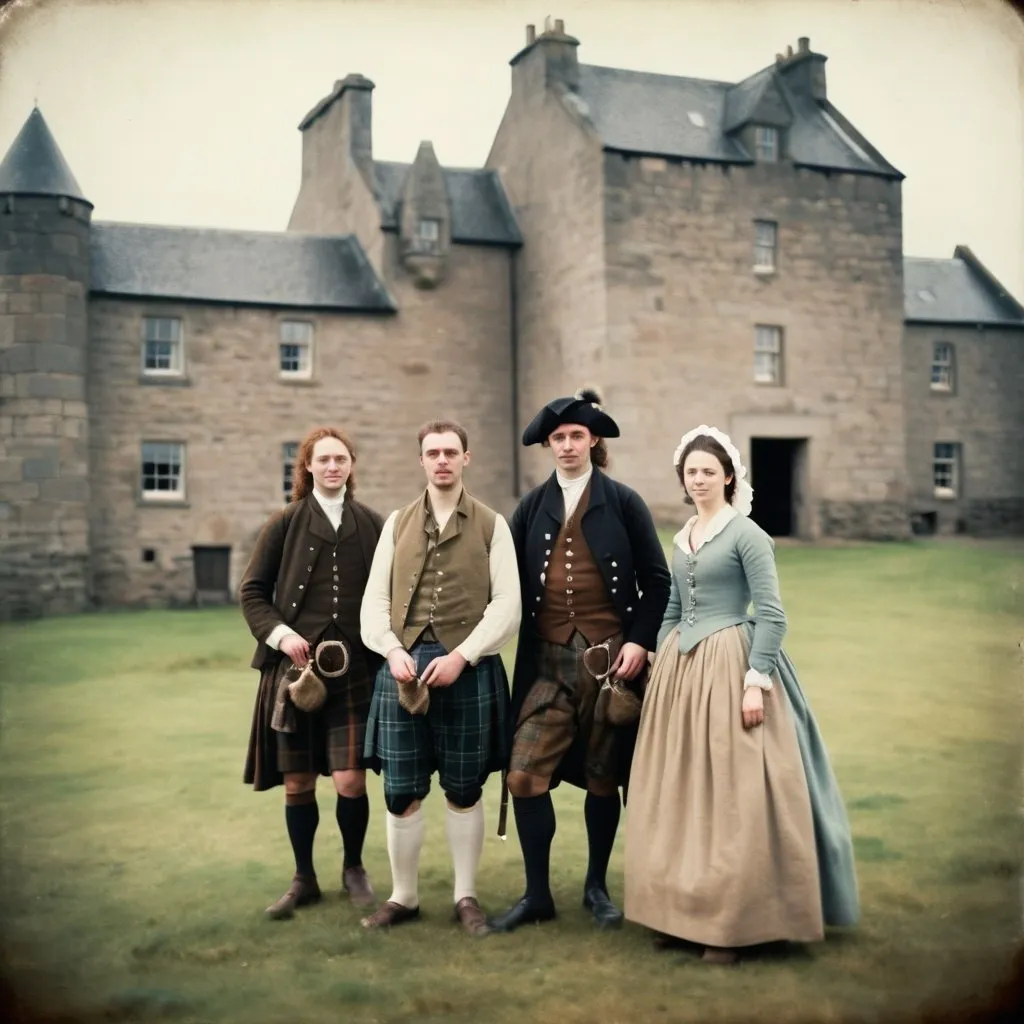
(414, 696)
(305, 687)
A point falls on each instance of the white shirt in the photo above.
(333, 509)
(572, 490)
(500, 620)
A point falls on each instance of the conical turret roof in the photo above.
(35, 166)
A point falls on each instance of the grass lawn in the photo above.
(136, 865)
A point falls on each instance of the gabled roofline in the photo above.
(988, 279)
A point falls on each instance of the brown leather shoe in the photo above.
(471, 917)
(301, 892)
(356, 882)
(389, 914)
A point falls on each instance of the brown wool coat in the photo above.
(285, 549)
(283, 558)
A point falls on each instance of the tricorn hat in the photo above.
(583, 408)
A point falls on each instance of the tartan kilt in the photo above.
(557, 715)
(463, 736)
(330, 738)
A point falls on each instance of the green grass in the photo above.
(136, 865)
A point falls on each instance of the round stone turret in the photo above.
(44, 421)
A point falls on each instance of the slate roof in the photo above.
(481, 213)
(642, 112)
(246, 267)
(956, 291)
(34, 164)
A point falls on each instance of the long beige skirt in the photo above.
(719, 836)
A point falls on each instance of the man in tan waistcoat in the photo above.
(594, 578)
(441, 602)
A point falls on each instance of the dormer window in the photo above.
(428, 234)
(766, 144)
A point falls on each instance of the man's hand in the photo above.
(296, 648)
(402, 667)
(444, 671)
(753, 707)
(631, 659)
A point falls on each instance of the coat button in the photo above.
(301, 585)
(629, 609)
(614, 590)
(309, 568)
(615, 565)
(294, 605)
(548, 552)
(615, 579)
(312, 549)
(335, 615)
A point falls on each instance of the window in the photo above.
(163, 476)
(766, 144)
(765, 241)
(943, 377)
(289, 453)
(767, 354)
(296, 349)
(945, 469)
(428, 235)
(161, 347)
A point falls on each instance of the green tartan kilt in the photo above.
(463, 735)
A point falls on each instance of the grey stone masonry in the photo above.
(44, 425)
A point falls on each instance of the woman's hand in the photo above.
(753, 707)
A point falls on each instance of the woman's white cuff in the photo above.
(758, 679)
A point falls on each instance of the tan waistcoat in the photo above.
(441, 580)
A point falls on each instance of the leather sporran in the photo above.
(332, 659)
(617, 704)
(414, 696)
(305, 687)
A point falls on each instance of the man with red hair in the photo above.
(303, 588)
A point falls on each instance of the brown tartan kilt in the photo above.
(330, 739)
(557, 732)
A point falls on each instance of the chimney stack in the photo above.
(551, 50)
(803, 44)
(560, 26)
(531, 35)
(805, 70)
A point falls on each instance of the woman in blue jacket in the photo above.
(737, 834)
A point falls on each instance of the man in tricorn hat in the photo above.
(594, 584)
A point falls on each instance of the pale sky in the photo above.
(187, 112)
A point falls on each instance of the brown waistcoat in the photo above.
(334, 590)
(575, 596)
(446, 584)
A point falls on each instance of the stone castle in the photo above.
(702, 251)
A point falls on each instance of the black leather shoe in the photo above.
(606, 914)
(526, 911)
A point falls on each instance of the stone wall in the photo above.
(549, 160)
(445, 353)
(683, 302)
(44, 470)
(983, 414)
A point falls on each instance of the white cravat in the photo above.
(332, 507)
(572, 490)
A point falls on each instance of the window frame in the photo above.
(301, 344)
(760, 248)
(947, 387)
(156, 496)
(177, 343)
(947, 491)
(289, 459)
(763, 153)
(777, 352)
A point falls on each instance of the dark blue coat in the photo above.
(620, 532)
